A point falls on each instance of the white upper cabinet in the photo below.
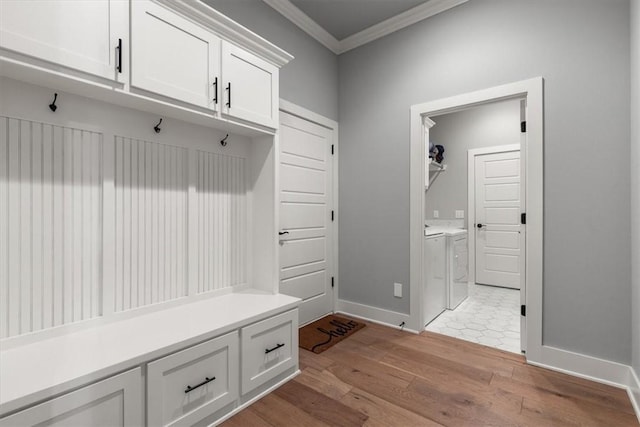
(83, 35)
(250, 90)
(172, 56)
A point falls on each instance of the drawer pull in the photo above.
(206, 381)
(269, 350)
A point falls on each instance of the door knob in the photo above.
(480, 226)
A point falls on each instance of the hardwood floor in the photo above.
(384, 377)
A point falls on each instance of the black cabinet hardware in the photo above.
(283, 233)
(215, 91)
(228, 89)
(119, 56)
(269, 350)
(207, 380)
(480, 225)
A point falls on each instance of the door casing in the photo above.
(531, 90)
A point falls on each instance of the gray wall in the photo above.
(311, 79)
(581, 48)
(485, 126)
(635, 180)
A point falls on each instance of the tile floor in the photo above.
(489, 316)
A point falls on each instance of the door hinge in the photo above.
(523, 127)
(332, 282)
(523, 218)
(523, 310)
(332, 215)
(332, 149)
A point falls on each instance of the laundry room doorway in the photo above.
(508, 197)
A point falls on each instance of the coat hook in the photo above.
(53, 105)
(223, 141)
(157, 127)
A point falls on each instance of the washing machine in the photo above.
(434, 295)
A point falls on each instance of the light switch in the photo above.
(436, 214)
(459, 214)
(397, 290)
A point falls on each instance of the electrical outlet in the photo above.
(397, 290)
(436, 214)
(459, 214)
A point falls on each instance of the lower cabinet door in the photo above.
(187, 386)
(269, 348)
(116, 401)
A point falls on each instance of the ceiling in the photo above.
(343, 18)
(342, 25)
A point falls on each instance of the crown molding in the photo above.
(398, 22)
(228, 29)
(381, 29)
(308, 25)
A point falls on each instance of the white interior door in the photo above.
(498, 232)
(305, 215)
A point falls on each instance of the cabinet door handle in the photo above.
(215, 91)
(269, 350)
(119, 47)
(206, 381)
(228, 89)
(282, 233)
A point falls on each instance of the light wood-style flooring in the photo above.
(385, 377)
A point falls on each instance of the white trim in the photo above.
(471, 198)
(593, 369)
(634, 391)
(306, 24)
(398, 22)
(377, 315)
(229, 30)
(374, 32)
(303, 113)
(531, 90)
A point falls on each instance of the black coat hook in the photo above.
(53, 107)
(157, 127)
(223, 141)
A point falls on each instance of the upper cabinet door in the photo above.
(83, 35)
(250, 86)
(172, 56)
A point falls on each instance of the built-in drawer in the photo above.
(187, 386)
(269, 348)
(115, 401)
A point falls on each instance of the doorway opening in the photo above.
(474, 199)
(527, 98)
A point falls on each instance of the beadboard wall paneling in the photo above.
(151, 190)
(222, 221)
(50, 225)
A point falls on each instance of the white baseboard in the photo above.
(634, 391)
(594, 369)
(374, 314)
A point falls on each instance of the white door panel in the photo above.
(302, 179)
(82, 35)
(299, 252)
(297, 215)
(497, 198)
(180, 61)
(305, 215)
(306, 285)
(249, 85)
